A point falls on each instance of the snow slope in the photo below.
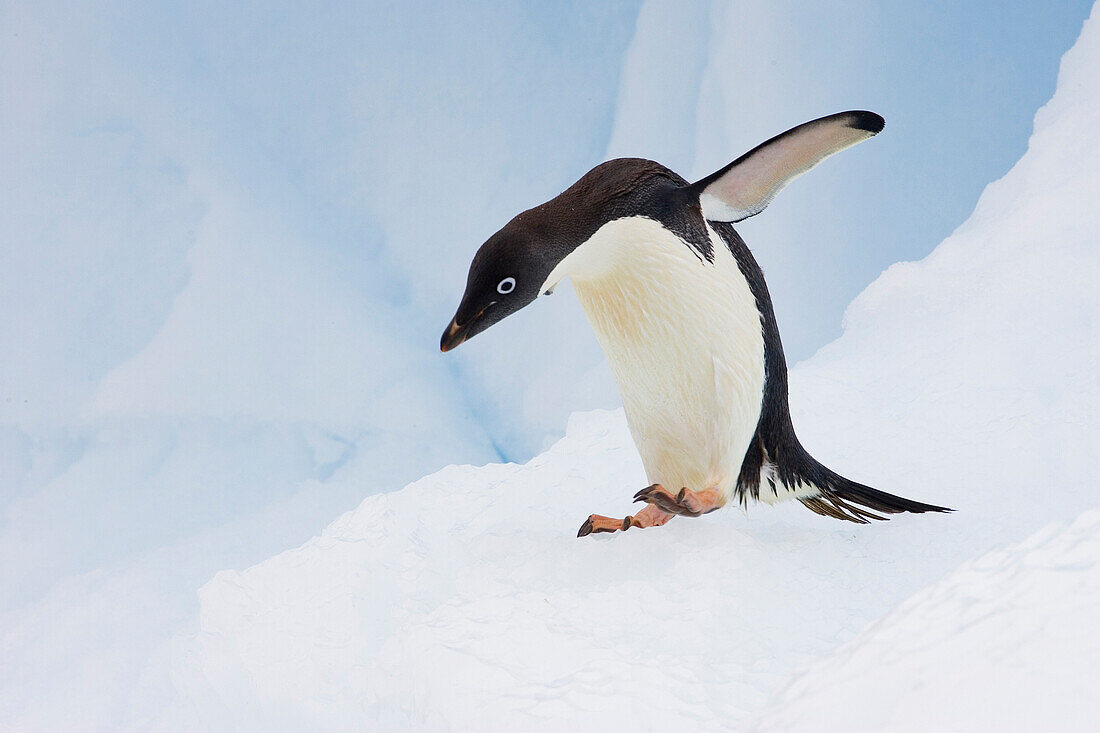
(1006, 642)
(464, 601)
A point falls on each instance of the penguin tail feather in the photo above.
(798, 475)
(850, 501)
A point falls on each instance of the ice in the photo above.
(464, 601)
(215, 337)
(219, 333)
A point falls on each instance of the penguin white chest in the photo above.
(684, 341)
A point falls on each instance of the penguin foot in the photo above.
(686, 503)
(597, 523)
(649, 516)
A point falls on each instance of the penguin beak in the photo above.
(457, 333)
(453, 336)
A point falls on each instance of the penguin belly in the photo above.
(684, 341)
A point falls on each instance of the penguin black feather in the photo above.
(775, 450)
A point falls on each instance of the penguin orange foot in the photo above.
(686, 503)
(650, 516)
(600, 523)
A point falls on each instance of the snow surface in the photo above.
(1006, 642)
(464, 601)
(218, 335)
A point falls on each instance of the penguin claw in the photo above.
(586, 528)
(685, 503)
(659, 497)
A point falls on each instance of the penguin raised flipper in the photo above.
(680, 308)
(747, 185)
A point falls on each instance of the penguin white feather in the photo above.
(682, 337)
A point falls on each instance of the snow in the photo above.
(205, 323)
(1006, 642)
(219, 333)
(464, 602)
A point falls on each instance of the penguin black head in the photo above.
(512, 266)
(505, 276)
(509, 270)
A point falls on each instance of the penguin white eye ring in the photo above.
(702, 346)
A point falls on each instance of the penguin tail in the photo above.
(794, 474)
(854, 502)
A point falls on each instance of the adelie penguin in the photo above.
(682, 313)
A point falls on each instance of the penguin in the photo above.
(680, 308)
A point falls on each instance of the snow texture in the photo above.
(464, 602)
(219, 333)
(1006, 642)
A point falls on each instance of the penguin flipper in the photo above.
(746, 186)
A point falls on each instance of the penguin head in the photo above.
(505, 275)
(511, 269)
(514, 264)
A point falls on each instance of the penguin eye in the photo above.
(506, 285)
